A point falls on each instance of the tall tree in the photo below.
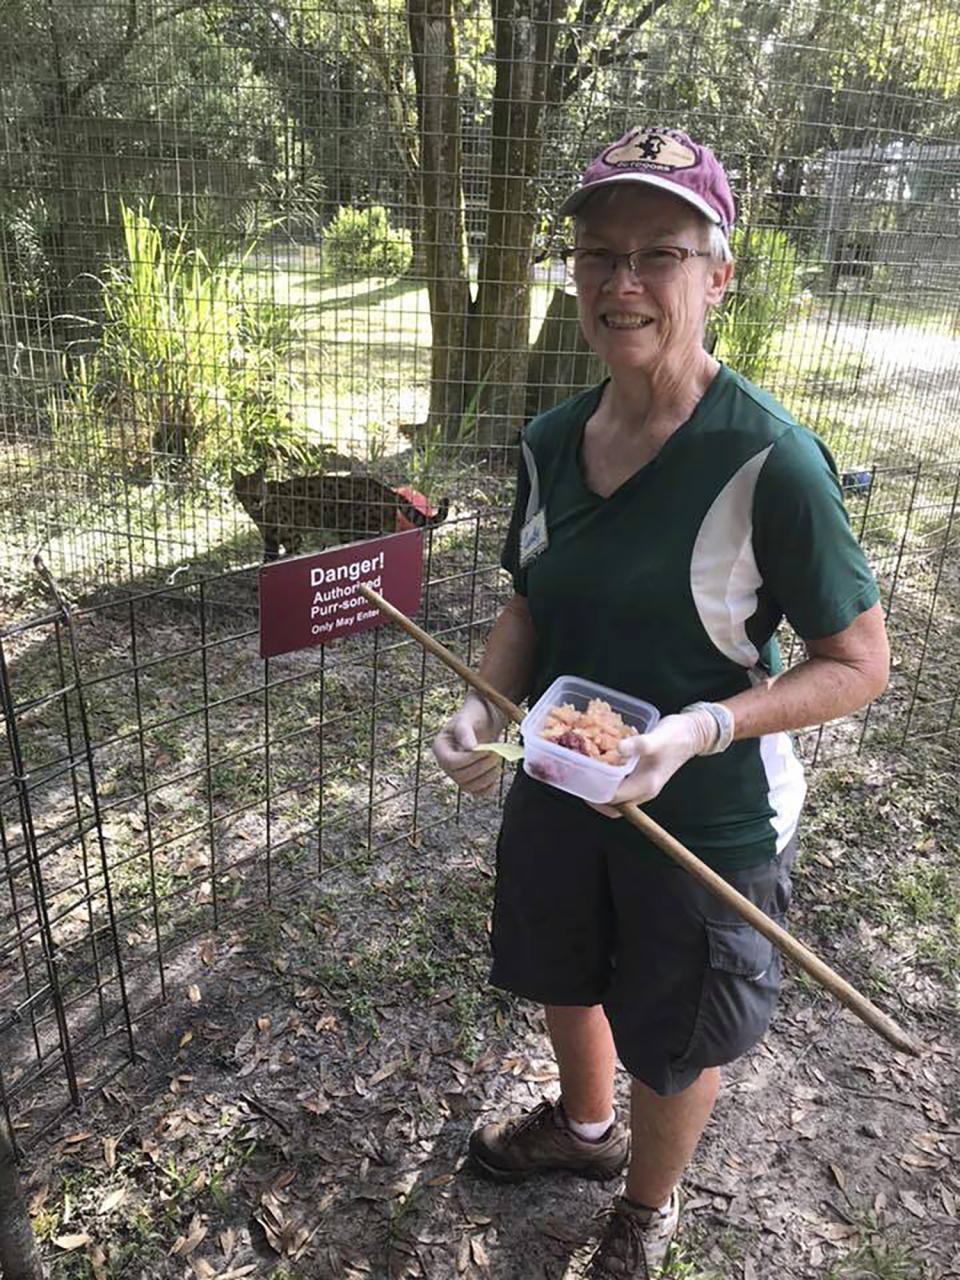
(543, 52)
(443, 230)
(130, 98)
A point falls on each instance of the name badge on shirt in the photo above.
(533, 538)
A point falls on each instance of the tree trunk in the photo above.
(432, 40)
(481, 348)
(72, 193)
(19, 1259)
(561, 363)
(499, 332)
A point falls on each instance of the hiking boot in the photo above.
(634, 1242)
(541, 1142)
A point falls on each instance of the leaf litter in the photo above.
(367, 1060)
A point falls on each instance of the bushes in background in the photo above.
(766, 290)
(362, 242)
(187, 367)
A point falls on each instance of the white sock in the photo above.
(662, 1211)
(589, 1132)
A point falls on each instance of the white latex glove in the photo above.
(476, 721)
(659, 754)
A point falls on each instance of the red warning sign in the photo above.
(310, 600)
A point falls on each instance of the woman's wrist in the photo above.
(493, 712)
(717, 724)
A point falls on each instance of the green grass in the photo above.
(682, 1262)
(886, 870)
(878, 1260)
(368, 965)
(931, 896)
(161, 1198)
(857, 399)
(367, 351)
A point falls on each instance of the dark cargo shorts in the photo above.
(581, 920)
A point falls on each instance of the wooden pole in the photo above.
(802, 956)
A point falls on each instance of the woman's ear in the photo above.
(721, 273)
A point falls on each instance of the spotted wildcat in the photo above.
(343, 505)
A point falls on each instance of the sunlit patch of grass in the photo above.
(931, 895)
(839, 383)
(928, 891)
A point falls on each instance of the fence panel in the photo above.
(158, 779)
(263, 268)
(322, 239)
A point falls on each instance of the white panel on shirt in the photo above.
(786, 785)
(724, 579)
(724, 576)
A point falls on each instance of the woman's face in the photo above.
(636, 323)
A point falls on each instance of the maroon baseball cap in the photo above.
(664, 158)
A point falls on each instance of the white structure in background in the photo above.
(895, 206)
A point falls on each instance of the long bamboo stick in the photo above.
(802, 956)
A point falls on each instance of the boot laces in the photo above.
(534, 1119)
(622, 1235)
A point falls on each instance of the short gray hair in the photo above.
(718, 246)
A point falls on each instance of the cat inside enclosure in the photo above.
(340, 506)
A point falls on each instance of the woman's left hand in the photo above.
(659, 754)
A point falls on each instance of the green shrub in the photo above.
(769, 278)
(187, 366)
(28, 273)
(362, 242)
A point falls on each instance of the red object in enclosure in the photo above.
(416, 499)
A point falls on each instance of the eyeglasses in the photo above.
(650, 266)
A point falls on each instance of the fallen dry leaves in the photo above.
(288, 1228)
(183, 1246)
(71, 1242)
(112, 1200)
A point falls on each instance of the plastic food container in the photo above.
(559, 766)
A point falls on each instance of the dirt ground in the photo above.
(301, 1106)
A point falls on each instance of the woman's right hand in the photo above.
(454, 746)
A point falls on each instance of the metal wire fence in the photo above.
(258, 241)
(158, 779)
(273, 276)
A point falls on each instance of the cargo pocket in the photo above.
(740, 986)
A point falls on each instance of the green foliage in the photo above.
(878, 1260)
(25, 229)
(187, 366)
(362, 242)
(765, 293)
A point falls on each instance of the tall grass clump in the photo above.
(767, 288)
(187, 367)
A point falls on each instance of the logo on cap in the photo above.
(650, 149)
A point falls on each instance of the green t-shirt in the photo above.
(671, 589)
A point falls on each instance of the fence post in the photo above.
(19, 1259)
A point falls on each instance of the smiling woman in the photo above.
(642, 262)
(666, 521)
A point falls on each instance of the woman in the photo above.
(665, 522)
